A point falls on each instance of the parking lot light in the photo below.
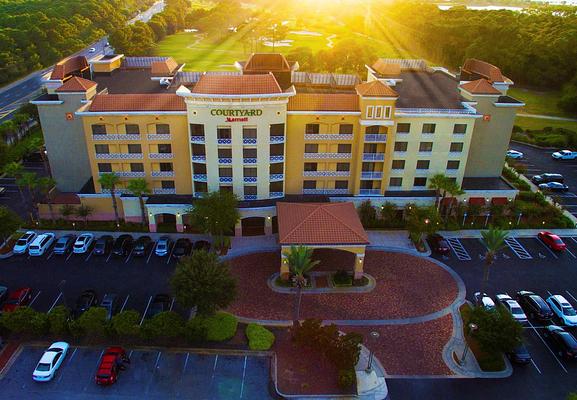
(472, 329)
(374, 336)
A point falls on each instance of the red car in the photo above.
(112, 362)
(17, 298)
(553, 241)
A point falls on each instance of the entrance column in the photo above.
(359, 263)
(151, 222)
(268, 225)
(238, 228)
(179, 224)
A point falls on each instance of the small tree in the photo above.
(66, 210)
(389, 213)
(300, 262)
(15, 170)
(202, 280)
(45, 186)
(109, 181)
(30, 181)
(126, 323)
(58, 320)
(10, 222)
(421, 221)
(367, 213)
(497, 330)
(494, 240)
(439, 183)
(139, 188)
(84, 212)
(216, 213)
(91, 323)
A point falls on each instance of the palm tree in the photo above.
(139, 187)
(67, 210)
(440, 183)
(84, 212)
(494, 240)
(454, 190)
(45, 186)
(300, 262)
(30, 181)
(15, 170)
(109, 181)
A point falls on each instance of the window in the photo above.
(368, 167)
(311, 148)
(132, 129)
(370, 112)
(101, 149)
(403, 128)
(401, 146)
(224, 153)
(420, 182)
(460, 129)
(309, 184)
(276, 149)
(104, 167)
(249, 172)
(341, 184)
(426, 146)
(276, 168)
(225, 189)
(136, 167)
(277, 129)
(198, 168)
(378, 112)
(249, 153)
(223, 133)
(310, 166)
(396, 182)
(345, 129)
(134, 148)
(429, 128)
(275, 187)
(312, 129)
(99, 129)
(225, 172)
(344, 148)
(387, 112)
(167, 167)
(162, 129)
(456, 147)
(372, 130)
(167, 184)
(398, 164)
(250, 191)
(423, 164)
(196, 130)
(343, 166)
(198, 150)
(164, 148)
(248, 133)
(453, 164)
(200, 187)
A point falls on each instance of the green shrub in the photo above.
(342, 277)
(347, 378)
(25, 320)
(220, 327)
(259, 338)
(126, 323)
(92, 323)
(167, 324)
(58, 320)
(195, 330)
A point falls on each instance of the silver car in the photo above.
(163, 246)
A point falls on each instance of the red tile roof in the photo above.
(319, 223)
(375, 89)
(385, 68)
(480, 86)
(137, 102)
(237, 84)
(266, 62)
(68, 66)
(324, 102)
(489, 71)
(76, 84)
(164, 68)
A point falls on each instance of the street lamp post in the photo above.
(373, 335)
(472, 328)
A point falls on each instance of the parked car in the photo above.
(201, 245)
(122, 245)
(22, 244)
(514, 154)
(113, 360)
(64, 244)
(50, 361)
(545, 178)
(17, 298)
(83, 243)
(520, 355)
(513, 307)
(483, 300)
(552, 241)
(142, 246)
(534, 306)
(110, 303)
(159, 303)
(3, 293)
(163, 246)
(103, 245)
(553, 187)
(562, 309)
(438, 244)
(87, 299)
(563, 341)
(41, 244)
(564, 155)
(182, 248)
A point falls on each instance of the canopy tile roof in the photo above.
(76, 84)
(386, 68)
(488, 71)
(165, 67)
(137, 102)
(267, 62)
(324, 102)
(320, 224)
(480, 86)
(375, 89)
(237, 84)
(67, 66)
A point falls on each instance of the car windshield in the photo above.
(516, 311)
(557, 241)
(43, 367)
(569, 311)
(21, 242)
(161, 246)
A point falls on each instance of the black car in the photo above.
(103, 245)
(534, 306)
(122, 245)
(87, 299)
(438, 244)
(520, 355)
(142, 246)
(201, 245)
(564, 342)
(182, 248)
(545, 178)
(64, 244)
(160, 303)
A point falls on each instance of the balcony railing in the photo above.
(250, 197)
(249, 160)
(373, 156)
(224, 141)
(326, 173)
(275, 159)
(375, 138)
(326, 191)
(371, 175)
(161, 156)
(224, 160)
(277, 139)
(163, 191)
(159, 136)
(370, 192)
(126, 174)
(116, 136)
(117, 191)
(249, 179)
(197, 139)
(328, 155)
(199, 177)
(225, 179)
(276, 195)
(276, 177)
(459, 111)
(118, 156)
(162, 174)
(328, 136)
(249, 141)
(199, 158)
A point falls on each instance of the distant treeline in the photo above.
(37, 33)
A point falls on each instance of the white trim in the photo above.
(437, 115)
(46, 102)
(92, 113)
(509, 105)
(380, 98)
(383, 122)
(323, 112)
(370, 112)
(99, 60)
(59, 93)
(185, 92)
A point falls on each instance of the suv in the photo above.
(22, 244)
(546, 178)
(42, 243)
(64, 244)
(142, 246)
(565, 342)
(103, 245)
(122, 245)
(112, 361)
(535, 306)
(563, 310)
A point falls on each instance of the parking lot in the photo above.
(152, 374)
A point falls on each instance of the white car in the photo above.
(513, 307)
(564, 155)
(92, 50)
(42, 243)
(50, 362)
(514, 154)
(22, 244)
(483, 299)
(83, 243)
(562, 310)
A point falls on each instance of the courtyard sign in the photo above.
(236, 115)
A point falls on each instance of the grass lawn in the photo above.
(540, 123)
(537, 102)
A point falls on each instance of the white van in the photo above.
(41, 244)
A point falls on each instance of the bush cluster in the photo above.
(259, 338)
(547, 137)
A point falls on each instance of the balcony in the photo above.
(249, 141)
(126, 174)
(326, 173)
(163, 191)
(224, 160)
(199, 158)
(225, 179)
(309, 156)
(277, 159)
(370, 192)
(224, 141)
(162, 174)
(371, 175)
(375, 138)
(161, 136)
(161, 156)
(116, 136)
(373, 156)
(328, 137)
(118, 156)
(117, 191)
(276, 177)
(277, 139)
(197, 139)
(326, 191)
(249, 179)
(249, 160)
(199, 177)
(250, 197)
(276, 195)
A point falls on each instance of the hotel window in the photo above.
(162, 129)
(343, 166)
(224, 133)
(200, 187)
(429, 128)
(101, 149)
(136, 167)
(249, 153)
(344, 148)
(248, 133)
(368, 167)
(310, 166)
(198, 168)
(276, 168)
(275, 187)
(456, 147)
(345, 129)
(401, 146)
(420, 182)
(225, 188)
(341, 184)
(398, 164)
(99, 129)
(387, 112)
(403, 128)
(196, 130)
(370, 148)
(372, 130)
(396, 182)
(250, 172)
(460, 129)
(134, 149)
(132, 129)
(370, 112)
(224, 153)
(250, 191)
(426, 147)
(423, 164)
(104, 167)
(198, 150)
(378, 112)
(164, 148)
(453, 164)
(167, 184)
(277, 129)
(312, 129)
(311, 148)
(167, 167)
(309, 184)
(225, 172)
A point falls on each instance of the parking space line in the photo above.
(185, 363)
(549, 348)
(536, 367)
(50, 255)
(129, 255)
(170, 253)
(34, 299)
(518, 249)
(130, 354)
(89, 255)
(151, 251)
(124, 304)
(570, 252)
(55, 301)
(573, 239)
(548, 249)
(67, 364)
(458, 249)
(171, 304)
(157, 360)
(109, 255)
(69, 255)
(569, 293)
(243, 376)
(215, 361)
(146, 310)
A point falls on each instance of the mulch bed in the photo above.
(321, 281)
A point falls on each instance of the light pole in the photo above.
(373, 335)
(472, 329)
